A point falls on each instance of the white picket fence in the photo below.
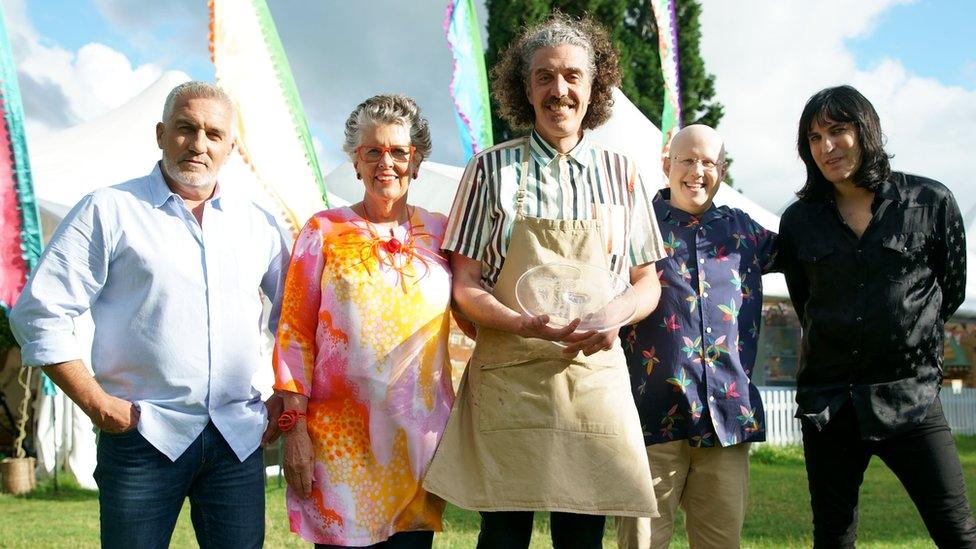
(782, 428)
(780, 405)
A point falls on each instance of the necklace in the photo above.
(393, 245)
(409, 258)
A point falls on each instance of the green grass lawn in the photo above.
(778, 516)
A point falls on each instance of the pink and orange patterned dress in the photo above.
(364, 335)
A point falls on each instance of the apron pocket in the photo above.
(550, 394)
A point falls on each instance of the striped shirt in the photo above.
(589, 182)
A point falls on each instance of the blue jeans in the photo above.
(141, 492)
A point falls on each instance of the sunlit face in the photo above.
(695, 169)
(559, 90)
(386, 178)
(835, 149)
(196, 141)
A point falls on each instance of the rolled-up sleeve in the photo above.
(646, 245)
(469, 224)
(68, 278)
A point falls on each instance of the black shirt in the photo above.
(873, 309)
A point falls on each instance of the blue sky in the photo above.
(932, 38)
(916, 60)
(74, 23)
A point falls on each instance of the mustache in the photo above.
(563, 101)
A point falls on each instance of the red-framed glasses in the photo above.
(373, 153)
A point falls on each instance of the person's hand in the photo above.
(590, 342)
(115, 415)
(538, 327)
(467, 327)
(274, 406)
(299, 459)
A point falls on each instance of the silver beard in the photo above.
(186, 179)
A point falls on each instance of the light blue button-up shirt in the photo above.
(175, 304)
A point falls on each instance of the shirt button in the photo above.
(701, 261)
(860, 285)
(859, 319)
(856, 352)
(711, 398)
(859, 250)
(705, 294)
(708, 330)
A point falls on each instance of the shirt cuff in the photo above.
(645, 256)
(52, 349)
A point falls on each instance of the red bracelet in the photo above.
(288, 419)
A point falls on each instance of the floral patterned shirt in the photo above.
(363, 334)
(691, 360)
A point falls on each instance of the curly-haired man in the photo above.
(540, 426)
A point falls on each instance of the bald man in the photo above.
(691, 360)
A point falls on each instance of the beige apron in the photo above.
(532, 430)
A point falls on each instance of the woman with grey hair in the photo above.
(361, 351)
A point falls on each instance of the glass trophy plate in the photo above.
(567, 291)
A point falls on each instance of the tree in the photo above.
(634, 32)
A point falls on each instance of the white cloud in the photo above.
(767, 63)
(98, 79)
(338, 57)
(778, 54)
(61, 87)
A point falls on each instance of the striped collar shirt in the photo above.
(588, 182)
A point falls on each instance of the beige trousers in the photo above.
(711, 485)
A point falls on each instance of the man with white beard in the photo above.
(170, 266)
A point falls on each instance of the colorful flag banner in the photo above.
(273, 135)
(20, 230)
(469, 85)
(667, 38)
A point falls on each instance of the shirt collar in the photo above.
(160, 193)
(886, 190)
(544, 153)
(666, 212)
(889, 190)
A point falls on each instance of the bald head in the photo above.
(698, 135)
(695, 168)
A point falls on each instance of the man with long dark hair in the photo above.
(875, 262)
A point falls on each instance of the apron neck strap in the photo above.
(523, 181)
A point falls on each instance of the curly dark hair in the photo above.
(509, 77)
(843, 104)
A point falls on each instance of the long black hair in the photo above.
(843, 104)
